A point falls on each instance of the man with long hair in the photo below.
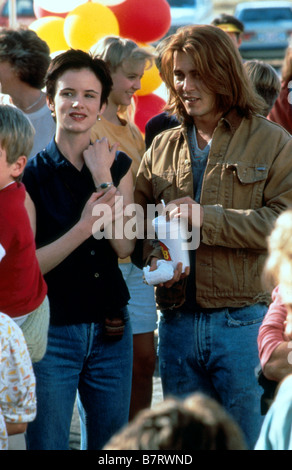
(237, 166)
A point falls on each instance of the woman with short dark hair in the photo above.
(90, 339)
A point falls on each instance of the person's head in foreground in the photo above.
(197, 423)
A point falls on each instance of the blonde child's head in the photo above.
(278, 268)
(16, 133)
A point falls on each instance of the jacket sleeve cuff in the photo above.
(151, 249)
(212, 224)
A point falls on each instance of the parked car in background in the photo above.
(267, 28)
(24, 13)
(186, 12)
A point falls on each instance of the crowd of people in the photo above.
(76, 317)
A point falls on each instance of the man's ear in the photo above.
(17, 168)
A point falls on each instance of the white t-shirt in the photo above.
(45, 128)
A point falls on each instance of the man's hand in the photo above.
(183, 207)
(177, 275)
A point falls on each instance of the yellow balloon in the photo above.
(51, 30)
(151, 79)
(88, 23)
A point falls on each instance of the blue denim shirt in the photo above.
(88, 283)
(199, 159)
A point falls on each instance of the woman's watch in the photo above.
(104, 186)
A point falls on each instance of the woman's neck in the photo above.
(72, 147)
(111, 114)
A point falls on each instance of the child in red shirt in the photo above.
(23, 291)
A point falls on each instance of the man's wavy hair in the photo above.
(27, 53)
(217, 63)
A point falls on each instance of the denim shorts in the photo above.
(142, 304)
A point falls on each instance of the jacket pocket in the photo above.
(248, 185)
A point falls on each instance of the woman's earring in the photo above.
(52, 109)
(98, 117)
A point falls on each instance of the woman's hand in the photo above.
(99, 158)
(89, 224)
(101, 210)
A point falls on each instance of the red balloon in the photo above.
(147, 106)
(143, 21)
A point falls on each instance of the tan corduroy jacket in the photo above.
(247, 183)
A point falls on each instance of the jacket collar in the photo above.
(231, 120)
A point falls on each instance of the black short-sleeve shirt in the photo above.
(88, 284)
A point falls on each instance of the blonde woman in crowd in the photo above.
(127, 62)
